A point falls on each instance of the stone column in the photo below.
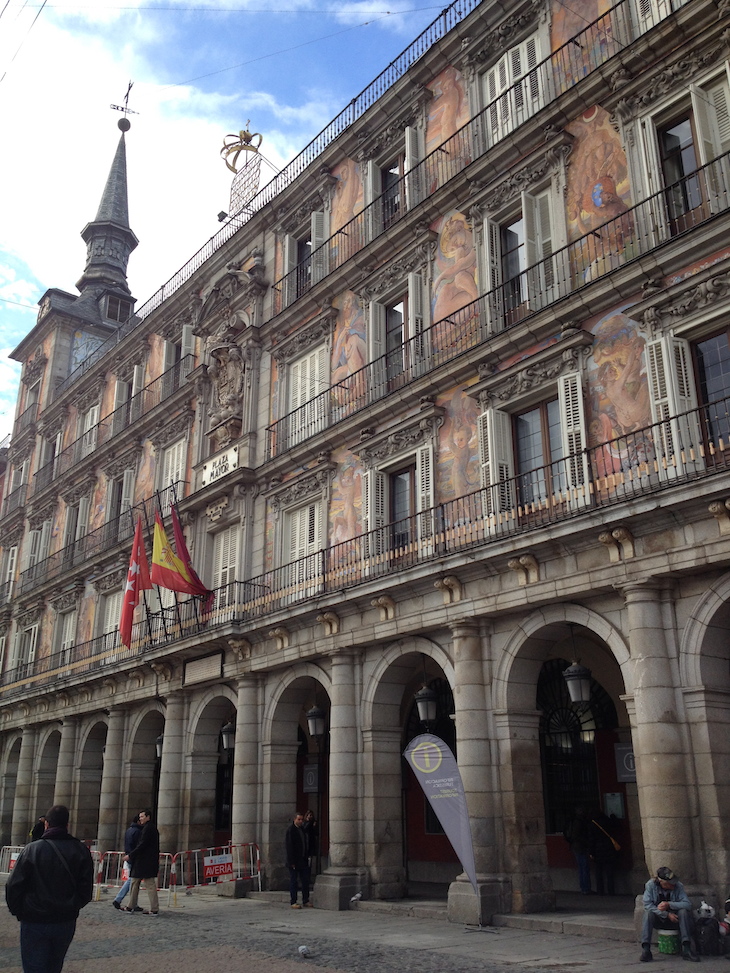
(337, 885)
(662, 771)
(245, 801)
(475, 764)
(64, 792)
(169, 797)
(110, 802)
(22, 819)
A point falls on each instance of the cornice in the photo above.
(308, 484)
(396, 272)
(673, 311)
(166, 430)
(316, 330)
(414, 431)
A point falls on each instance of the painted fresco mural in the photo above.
(596, 44)
(345, 513)
(83, 345)
(349, 348)
(98, 502)
(348, 197)
(145, 485)
(597, 192)
(457, 466)
(455, 278)
(448, 110)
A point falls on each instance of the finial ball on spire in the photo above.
(124, 124)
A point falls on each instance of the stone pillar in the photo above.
(383, 810)
(337, 885)
(279, 792)
(110, 802)
(245, 801)
(662, 761)
(169, 797)
(23, 818)
(65, 770)
(475, 765)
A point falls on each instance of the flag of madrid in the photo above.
(138, 577)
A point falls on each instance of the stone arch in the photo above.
(276, 696)
(49, 745)
(9, 782)
(390, 678)
(704, 647)
(208, 713)
(90, 770)
(141, 763)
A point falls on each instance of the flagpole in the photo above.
(162, 518)
(196, 613)
(159, 600)
(144, 591)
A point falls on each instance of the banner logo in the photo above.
(426, 757)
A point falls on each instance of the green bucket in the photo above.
(668, 941)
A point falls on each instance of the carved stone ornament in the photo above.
(226, 373)
(52, 421)
(535, 374)
(169, 430)
(407, 436)
(214, 510)
(12, 538)
(31, 616)
(384, 141)
(696, 298)
(673, 78)
(42, 514)
(73, 491)
(395, 273)
(117, 466)
(488, 47)
(303, 487)
(35, 367)
(524, 179)
(68, 599)
(248, 285)
(90, 396)
(112, 581)
(291, 220)
(319, 329)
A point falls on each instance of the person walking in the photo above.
(578, 836)
(312, 830)
(131, 837)
(38, 828)
(144, 860)
(53, 879)
(296, 846)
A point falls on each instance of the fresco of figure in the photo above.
(455, 283)
(458, 447)
(349, 350)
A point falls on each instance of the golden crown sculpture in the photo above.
(244, 142)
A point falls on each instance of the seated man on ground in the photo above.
(667, 906)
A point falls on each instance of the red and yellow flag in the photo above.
(168, 570)
(138, 578)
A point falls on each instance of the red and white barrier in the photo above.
(214, 865)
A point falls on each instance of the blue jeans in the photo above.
(119, 897)
(584, 871)
(653, 921)
(296, 875)
(43, 945)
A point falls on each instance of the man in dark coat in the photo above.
(144, 862)
(53, 879)
(131, 837)
(296, 846)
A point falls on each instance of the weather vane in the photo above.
(244, 142)
(124, 123)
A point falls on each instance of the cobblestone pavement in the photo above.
(203, 934)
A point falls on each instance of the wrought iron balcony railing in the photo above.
(14, 500)
(692, 201)
(678, 450)
(561, 70)
(26, 419)
(116, 531)
(6, 592)
(115, 422)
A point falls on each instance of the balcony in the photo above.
(566, 67)
(613, 245)
(14, 500)
(26, 419)
(687, 448)
(114, 423)
(97, 542)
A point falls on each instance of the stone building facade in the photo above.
(446, 405)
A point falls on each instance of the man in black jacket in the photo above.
(296, 850)
(53, 879)
(144, 860)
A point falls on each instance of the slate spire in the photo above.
(109, 239)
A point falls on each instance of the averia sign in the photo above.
(220, 465)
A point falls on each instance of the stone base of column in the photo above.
(387, 883)
(495, 897)
(335, 887)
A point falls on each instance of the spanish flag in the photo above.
(168, 570)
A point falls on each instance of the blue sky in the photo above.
(201, 69)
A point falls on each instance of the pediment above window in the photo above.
(386, 278)
(314, 332)
(376, 448)
(311, 483)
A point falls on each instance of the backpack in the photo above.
(707, 935)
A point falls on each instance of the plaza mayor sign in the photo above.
(220, 466)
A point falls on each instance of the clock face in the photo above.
(83, 345)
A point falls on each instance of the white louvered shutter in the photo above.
(491, 269)
(417, 325)
(677, 441)
(290, 253)
(225, 556)
(425, 499)
(188, 348)
(82, 518)
(573, 432)
(414, 191)
(376, 350)
(320, 253)
(374, 505)
(495, 453)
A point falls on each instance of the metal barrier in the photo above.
(111, 871)
(8, 856)
(212, 866)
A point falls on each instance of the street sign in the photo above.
(217, 866)
(311, 779)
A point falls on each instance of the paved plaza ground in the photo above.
(210, 934)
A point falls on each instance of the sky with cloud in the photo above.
(200, 70)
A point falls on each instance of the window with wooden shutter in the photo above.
(26, 640)
(66, 636)
(187, 350)
(303, 545)
(320, 253)
(495, 454)
(173, 472)
(89, 423)
(225, 558)
(10, 563)
(111, 613)
(308, 399)
(514, 89)
(672, 394)
(574, 477)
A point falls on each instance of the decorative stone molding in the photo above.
(73, 491)
(136, 678)
(111, 582)
(240, 647)
(382, 141)
(395, 273)
(110, 684)
(475, 54)
(68, 599)
(552, 161)
(31, 616)
(672, 78)
(35, 367)
(451, 588)
(40, 515)
(319, 329)
(541, 369)
(676, 309)
(306, 485)
(282, 637)
(720, 510)
(52, 422)
(330, 621)
(386, 607)
(90, 396)
(168, 430)
(116, 466)
(407, 435)
(619, 542)
(526, 568)
(163, 670)
(13, 537)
